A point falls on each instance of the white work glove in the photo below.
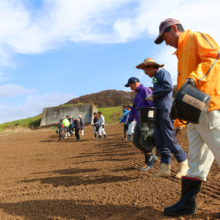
(150, 97)
(191, 81)
(178, 128)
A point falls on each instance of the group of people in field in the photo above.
(70, 125)
(199, 65)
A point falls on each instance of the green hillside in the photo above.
(31, 123)
(112, 114)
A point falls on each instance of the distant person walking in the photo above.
(96, 126)
(60, 127)
(66, 124)
(81, 122)
(130, 130)
(123, 120)
(101, 123)
(77, 127)
(70, 126)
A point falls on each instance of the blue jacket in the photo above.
(162, 92)
(124, 116)
(142, 92)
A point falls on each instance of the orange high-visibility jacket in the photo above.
(177, 123)
(199, 58)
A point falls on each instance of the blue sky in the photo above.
(54, 50)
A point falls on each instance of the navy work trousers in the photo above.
(166, 142)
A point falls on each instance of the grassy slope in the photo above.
(112, 114)
(32, 122)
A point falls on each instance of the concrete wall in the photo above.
(54, 114)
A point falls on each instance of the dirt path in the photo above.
(42, 178)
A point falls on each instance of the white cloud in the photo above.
(32, 106)
(196, 15)
(13, 90)
(25, 30)
(59, 21)
(97, 21)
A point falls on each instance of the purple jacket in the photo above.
(142, 92)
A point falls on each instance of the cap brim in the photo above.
(127, 85)
(159, 39)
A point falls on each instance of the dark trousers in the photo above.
(70, 129)
(141, 138)
(166, 142)
(125, 129)
(77, 133)
(60, 133)
(66, 129)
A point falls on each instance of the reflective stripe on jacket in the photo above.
(198, 58)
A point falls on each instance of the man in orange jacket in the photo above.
(199, 64)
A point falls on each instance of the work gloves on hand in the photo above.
(150, 97)
(178, 128)
(191, 81)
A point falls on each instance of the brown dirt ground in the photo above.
(42, 178)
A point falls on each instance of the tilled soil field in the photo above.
(42, 178)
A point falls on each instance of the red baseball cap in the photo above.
(163, 25)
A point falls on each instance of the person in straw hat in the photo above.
(165, 137)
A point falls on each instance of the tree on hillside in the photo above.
(107, 98)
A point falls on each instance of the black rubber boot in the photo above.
(99, 137)
(128, 139)
(187, 203)
(149, 160)
(60, 137)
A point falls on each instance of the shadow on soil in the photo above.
(85, 209)
(70, 171)
(68, 181)
(110, 141)
(100, 154)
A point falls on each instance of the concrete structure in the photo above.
(52, 115)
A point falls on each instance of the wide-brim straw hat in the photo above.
(148, 62)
